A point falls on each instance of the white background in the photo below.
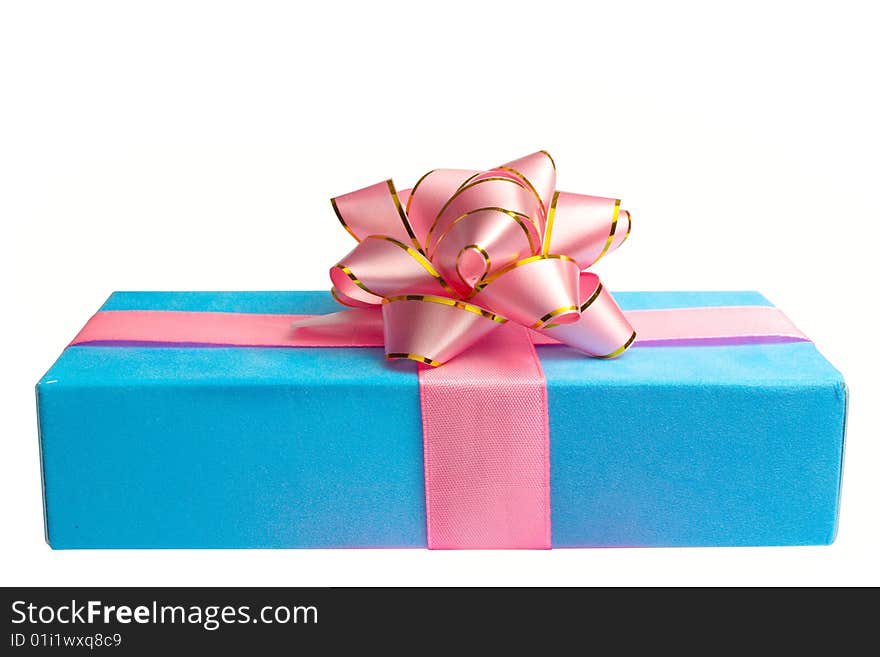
(182, 146)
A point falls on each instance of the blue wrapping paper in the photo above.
(321, 447)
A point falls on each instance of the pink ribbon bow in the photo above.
(463, 252)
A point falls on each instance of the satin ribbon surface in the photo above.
(464, 251)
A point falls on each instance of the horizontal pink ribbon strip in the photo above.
(363, 328)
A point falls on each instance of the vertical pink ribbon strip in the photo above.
(486, 437)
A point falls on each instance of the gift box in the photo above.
(469, 397)
(194, 443)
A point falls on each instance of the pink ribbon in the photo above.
(464, 252)
(486, 436)
(364, 328)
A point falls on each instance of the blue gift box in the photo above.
(241, 447)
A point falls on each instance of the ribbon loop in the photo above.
(601, 330)
(374, 210)
(430, 194)
(382, 266)
(535, 292)
(538, 172)
(585, 227)
(432, 330)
